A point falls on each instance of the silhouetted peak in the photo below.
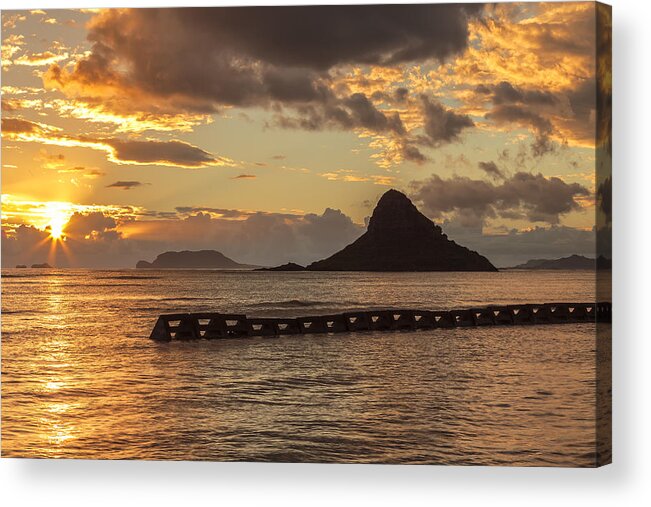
(393, 196)
(396, 213)
(401, 238)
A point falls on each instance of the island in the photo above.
(21, 266)
(572, 262)
(401, 238)
(44, 265)
(199, 259)
(290, 266)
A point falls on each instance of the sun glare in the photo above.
(58, 217)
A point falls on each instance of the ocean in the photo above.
(81, 379)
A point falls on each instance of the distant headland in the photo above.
(571, 262)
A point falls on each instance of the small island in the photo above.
(290, 266)
(44, 265)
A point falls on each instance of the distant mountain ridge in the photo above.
(571, 262)
(207, 259)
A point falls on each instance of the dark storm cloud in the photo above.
(505, 92)
(353, 112)
(491, 169)
(527, 196)
(201, 59)
(441, 125)
(243, 56)
(364, 114)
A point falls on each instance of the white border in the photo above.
(626, 482)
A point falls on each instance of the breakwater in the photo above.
(194, 326)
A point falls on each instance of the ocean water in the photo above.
(81, 379)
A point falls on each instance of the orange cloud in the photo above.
(349, 176)
(38, 59)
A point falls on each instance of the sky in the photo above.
(270, 133)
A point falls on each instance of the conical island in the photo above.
(401, 238)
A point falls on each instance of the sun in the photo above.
(57, 219)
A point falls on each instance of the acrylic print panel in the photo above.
(343, 234)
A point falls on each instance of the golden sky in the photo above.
(270, 133)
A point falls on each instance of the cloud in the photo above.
(104, 239)
(516, 247)
(604, 76)
(51, 160)
(38, 59)
(10, 21)
(125, 185)
(277, 53)
(504, 93)
(350, 176)
(540, 62)
(244, 177)
(351, 112)
(366, 115)
(20, 126)
(194, 62)
(10, 46)
(506, 114)
(442, 125)
(524, 196)
(119, 236)
(176, 153)
(81, 225)
(491, 169)
(120, 151)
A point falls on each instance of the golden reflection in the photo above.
(55, 426)
(52, 386)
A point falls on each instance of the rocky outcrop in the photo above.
(290, 266)
(401, 238)
(206, 259)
